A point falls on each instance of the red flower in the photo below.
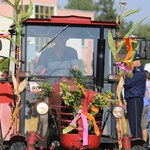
(73, 88)
(72, 81)
(56, 87)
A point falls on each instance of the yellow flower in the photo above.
(80, 106)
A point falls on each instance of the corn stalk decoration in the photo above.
(18, 86)
(125, 66)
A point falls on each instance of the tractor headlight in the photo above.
(118, 112)
(42, 108)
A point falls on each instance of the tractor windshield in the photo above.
(54, 50)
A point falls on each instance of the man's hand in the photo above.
(76, 67)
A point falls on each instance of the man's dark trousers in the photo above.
(134, 114)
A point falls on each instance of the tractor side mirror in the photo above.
(145, 49)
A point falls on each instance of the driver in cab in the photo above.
(57, 60)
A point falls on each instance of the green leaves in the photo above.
(8, 17)
(129, 33)
(111, 44)
(16, 3)
(135, 27)
(20, 17)
(18, 28)
(47, 89)
(130, 12)
(103, 100)
(19, 14)
(13, 60)
(29, 12)
(10, 3)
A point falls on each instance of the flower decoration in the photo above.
(72, 92)
(75, 95)
(126, 66)
(18, 19)
(102, 101)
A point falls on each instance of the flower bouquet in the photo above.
(72, 92)
(85, 105)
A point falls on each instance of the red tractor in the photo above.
(89, 39)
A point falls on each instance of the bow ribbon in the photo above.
(83, 116)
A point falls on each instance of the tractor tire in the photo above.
(18, 146)
(138, 147)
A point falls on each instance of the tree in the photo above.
(142, 31)
(106, 11)
(81, 5)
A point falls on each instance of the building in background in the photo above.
(42, 9)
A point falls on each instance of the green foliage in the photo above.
(77, 74)
(81, 5)
(130, 12)
(13, 60)
(19, 18)
(103, 100)
(111, 42)
(106, 11)
(142, 31)
(72, 92)
(4, 64)
(47, 89)
(125, 65)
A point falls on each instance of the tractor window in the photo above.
(53, 51)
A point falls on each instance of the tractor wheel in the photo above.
(18, 146)
(138, 147)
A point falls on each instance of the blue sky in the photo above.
(143, 5)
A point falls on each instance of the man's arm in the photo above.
(129, 82)
(40, 64)
(75, 60)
